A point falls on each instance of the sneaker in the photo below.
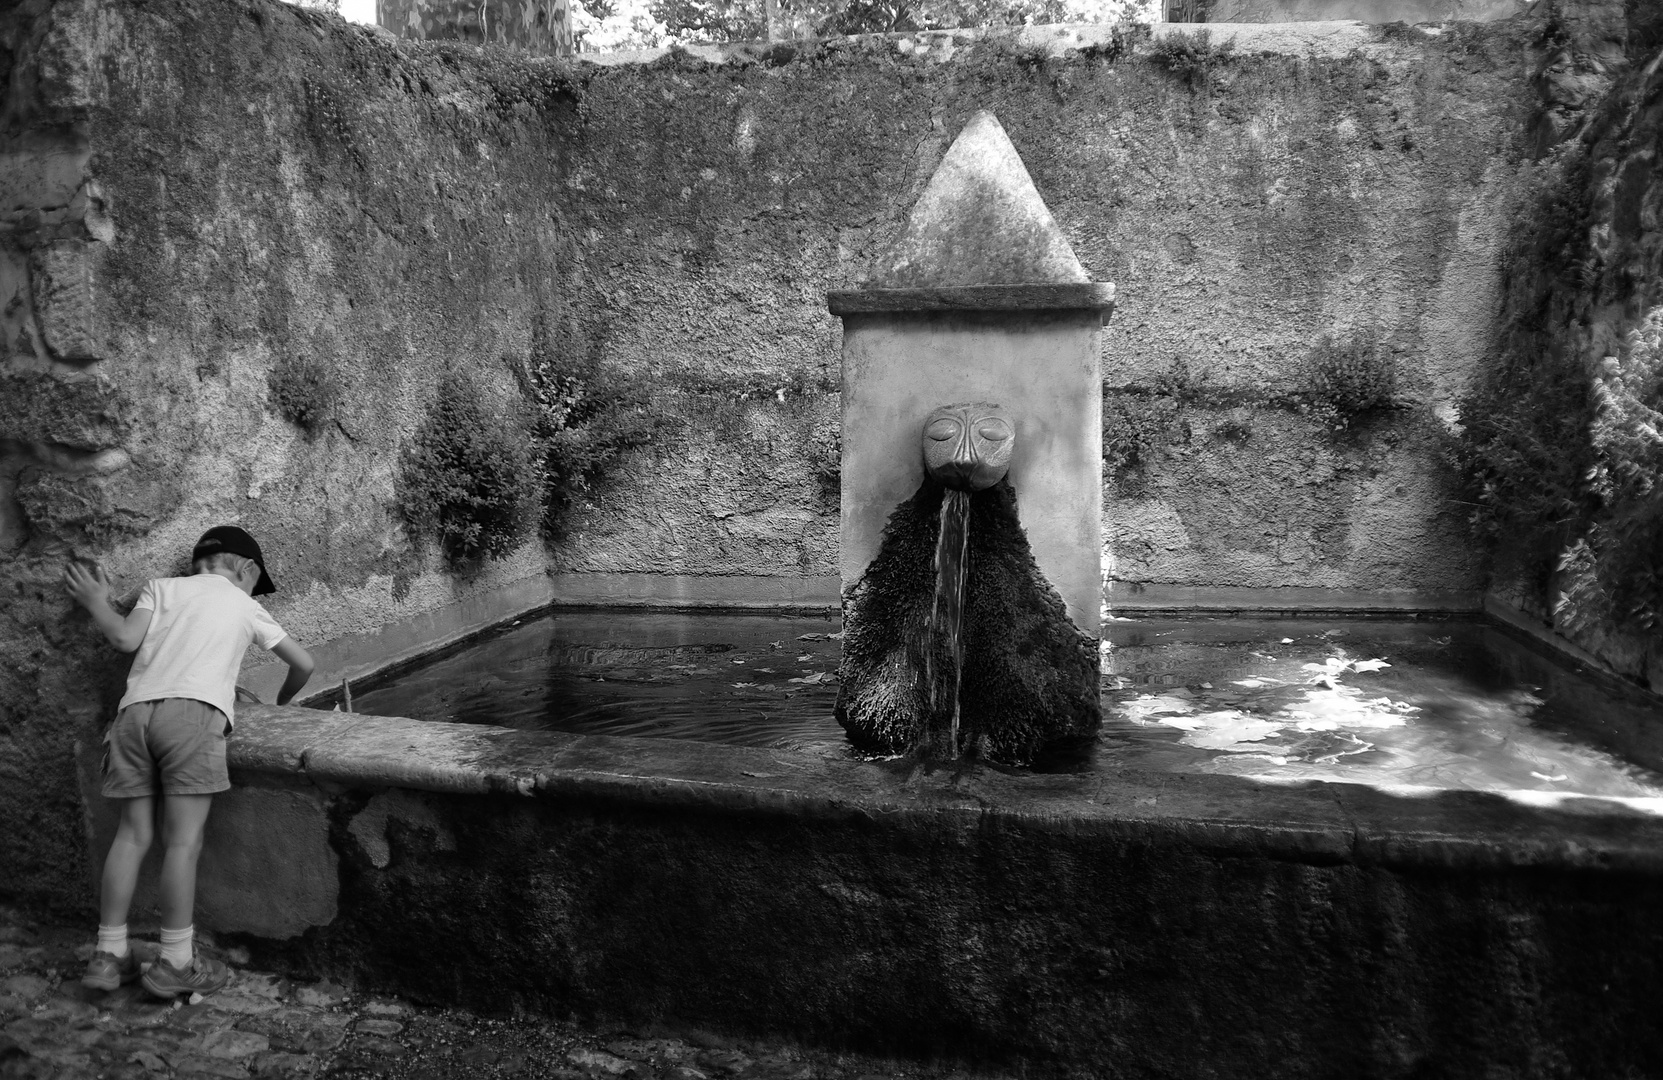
(203, 975)
(106, 971)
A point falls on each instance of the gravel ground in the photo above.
(265, 1025)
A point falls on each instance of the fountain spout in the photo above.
(970, 630)
(967, 448)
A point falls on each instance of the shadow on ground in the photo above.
(265, 1025)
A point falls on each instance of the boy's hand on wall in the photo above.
(88, 587)
(91, 589)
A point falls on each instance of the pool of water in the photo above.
(1412, 704)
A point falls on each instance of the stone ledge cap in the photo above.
(1063, 296)
(1311, 822)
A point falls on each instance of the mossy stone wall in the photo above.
(206, 194)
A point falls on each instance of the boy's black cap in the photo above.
(232, 539)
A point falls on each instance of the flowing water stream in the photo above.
(947, 616)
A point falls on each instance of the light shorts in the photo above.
(175, 745)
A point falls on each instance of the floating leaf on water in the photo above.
(743, 685)
(817, 677)
(803, 659)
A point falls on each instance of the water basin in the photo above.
(1398, 704)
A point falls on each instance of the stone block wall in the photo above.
(197, 194)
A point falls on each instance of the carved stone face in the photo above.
(968, 446)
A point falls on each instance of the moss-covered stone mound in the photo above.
(1029, 676)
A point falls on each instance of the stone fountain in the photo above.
(971, 379)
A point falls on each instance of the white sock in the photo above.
(176, 946)
(113, 940)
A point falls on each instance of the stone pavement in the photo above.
(265, 1025)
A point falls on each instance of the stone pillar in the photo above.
(981, 299)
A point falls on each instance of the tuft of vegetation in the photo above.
(1350, 379)
(468, 476)
(582, 421)
(304, 391)
(1235, 428)
(1135, 427)
(1191, 57)
(1123, 39)
(825, 457)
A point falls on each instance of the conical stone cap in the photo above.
(979, 222)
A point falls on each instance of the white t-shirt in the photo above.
(200, 627)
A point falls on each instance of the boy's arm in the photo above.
(300, 668)
(91, 589)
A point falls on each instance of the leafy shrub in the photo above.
(582, 421)
(1523, 449)
(1191, 57)
(304, 391)
(1347, 380)
(466, 474)
(1616, 570)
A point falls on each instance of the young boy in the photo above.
(168, 738)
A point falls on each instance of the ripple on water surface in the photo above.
(1424, 704)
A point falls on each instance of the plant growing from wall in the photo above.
(582, 421)
(825, 455)
(1351, 378)
(304, 391)
(1135, 427)
(1191, 57)
(465, 476)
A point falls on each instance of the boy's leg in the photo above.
(183, 819)
(113, 961)
(126, 855)
(189, 737)
(129, 778)
(178, 969)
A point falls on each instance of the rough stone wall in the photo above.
(202, 193)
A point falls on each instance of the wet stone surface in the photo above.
(264, 1025)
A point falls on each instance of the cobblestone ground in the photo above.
(264, 1025)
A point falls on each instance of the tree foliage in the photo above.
(625, 24)
(465, 476)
